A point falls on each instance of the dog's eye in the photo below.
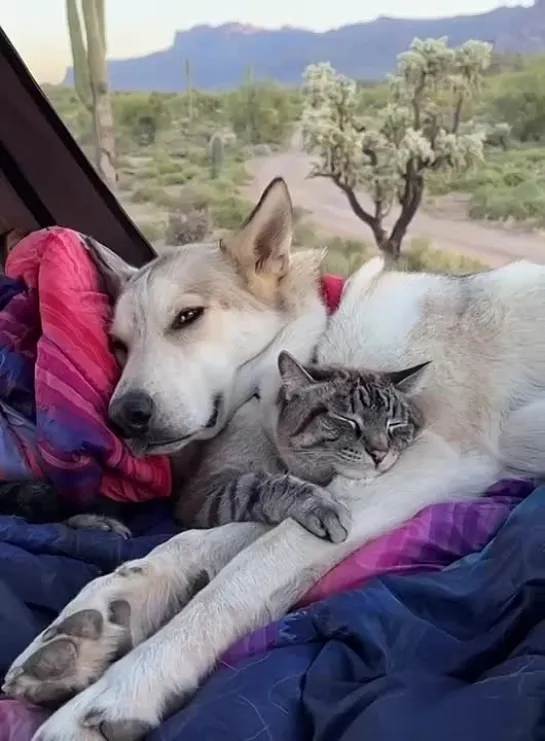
(119, 349)
(187, 317)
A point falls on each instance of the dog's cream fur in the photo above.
(483, 395)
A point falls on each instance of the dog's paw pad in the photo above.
(71, 654)
(53, 661)
(83, 624)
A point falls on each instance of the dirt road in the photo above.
(330, 212)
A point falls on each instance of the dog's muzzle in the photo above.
(145, 442)
(131, 414)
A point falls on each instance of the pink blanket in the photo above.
(59, 373)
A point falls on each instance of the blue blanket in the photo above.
(43, 567)
(457, 655)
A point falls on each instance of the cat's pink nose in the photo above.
(378, 456)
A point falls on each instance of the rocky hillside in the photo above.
(220, 55)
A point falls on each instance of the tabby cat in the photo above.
(330, 421)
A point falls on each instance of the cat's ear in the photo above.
(408, 380)
(293, 375)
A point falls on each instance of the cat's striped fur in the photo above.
(329, 421)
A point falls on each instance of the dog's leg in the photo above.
(257, 586)
(117, 611)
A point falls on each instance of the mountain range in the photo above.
(219, 56)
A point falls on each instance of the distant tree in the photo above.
(388, 151)
(142, 115)
(518, 98)
(262, 112)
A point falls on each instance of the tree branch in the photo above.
(355, 205)
(410, 201)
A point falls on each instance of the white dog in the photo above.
(199, 331)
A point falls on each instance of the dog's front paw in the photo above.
(99, 723)
(324, 517)
(89, 634)
(122, 706)
(95, 726)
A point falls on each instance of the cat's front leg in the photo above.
(271, 498)
(118, 611)
(312, 506)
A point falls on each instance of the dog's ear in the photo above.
(113, 270)
(262, 247)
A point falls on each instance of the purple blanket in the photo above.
(440, 535)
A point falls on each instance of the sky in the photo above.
(135, 27)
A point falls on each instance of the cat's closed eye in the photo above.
(395, 426)
(350, 422)
(329, 431)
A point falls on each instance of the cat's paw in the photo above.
(98, 522)
(325, 518)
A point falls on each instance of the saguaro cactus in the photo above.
(216, 155)
(251, 104)
(88, 42)
(189, 90)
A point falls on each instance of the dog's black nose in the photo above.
(132, 413)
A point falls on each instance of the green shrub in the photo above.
(229, 211)
(144, 194)
(166, 200)
(511, 185)
(345, 256)
(154, 195)
(164, 165)
(524, 202)
(152, 230)
(187, 227)
(184, 174)
(420, 257)
(142, 116)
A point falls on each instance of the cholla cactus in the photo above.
(88, 44)
(389, 152)
(216, 155)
